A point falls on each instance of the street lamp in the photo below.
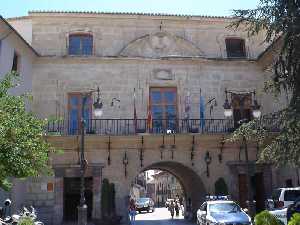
(256, 112)
(98, 105)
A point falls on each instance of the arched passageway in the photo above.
(192, 185)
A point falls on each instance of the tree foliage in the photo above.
(23, 151)
(280, 20)
(266, 218)
(295, 220)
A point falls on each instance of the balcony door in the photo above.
(163, 105)
(241, 104)
(75, 101)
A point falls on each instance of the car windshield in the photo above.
(291, 195)
(142, 200)
(224, 207)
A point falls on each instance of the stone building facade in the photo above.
(136, 59)
(166, 186)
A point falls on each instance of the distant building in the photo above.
(138, 187)
(166, 186)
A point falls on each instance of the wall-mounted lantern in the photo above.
(125, 163)
(207, 160)
(220, 155)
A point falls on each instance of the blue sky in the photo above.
(12, 8)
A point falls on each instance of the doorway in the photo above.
(72, 197)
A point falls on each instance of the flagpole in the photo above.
(134, 112)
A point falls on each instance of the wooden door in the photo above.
(259, 194)
(243, 190)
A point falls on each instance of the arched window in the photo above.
(235, 48)
(80, 44)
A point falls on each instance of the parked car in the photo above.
(284, 214)
(144, 204)
(283, 197)
(280, 213)
(168, 202)
(222, 212)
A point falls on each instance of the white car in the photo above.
(283, 197)
(222, 212)
(280, 214)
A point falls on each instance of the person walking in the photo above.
(171, 208)
(132, 211)
(177, 208)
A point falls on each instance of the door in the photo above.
(75, 102)
(72, 197)
(241, 104)
(259, 192)
(243, 190)
(163, 106)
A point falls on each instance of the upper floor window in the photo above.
(163, 106)
(235, 48)
(80, 44)
(16, 62)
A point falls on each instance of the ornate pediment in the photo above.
(159, 45)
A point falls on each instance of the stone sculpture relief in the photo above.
(161, 44)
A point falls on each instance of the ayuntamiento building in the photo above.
(162, 81)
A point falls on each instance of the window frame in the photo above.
(228, 39)
(80, 34)
(164, 103)
(243, 110)
(18, 59)
(79, 95)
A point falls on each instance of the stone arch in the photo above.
(161, 44)
(187, 177)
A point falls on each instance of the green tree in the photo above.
(280, 20)
(23, 151)
(265, 218)
(295, 220)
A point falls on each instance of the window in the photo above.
(75, 101)
(80, 44)
(291, 195)
(241, 104)
(15, 65)
(235, 48)
(163, 106)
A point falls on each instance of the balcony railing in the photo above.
(131, 126)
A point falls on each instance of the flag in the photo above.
(149, 119)
(187, 106)
(202, 111)
(134, 111)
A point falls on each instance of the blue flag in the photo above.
(202, 111)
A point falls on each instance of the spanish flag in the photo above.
(149, 119)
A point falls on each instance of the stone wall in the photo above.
(113, 32)
(54, 78)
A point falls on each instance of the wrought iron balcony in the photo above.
(132, 127)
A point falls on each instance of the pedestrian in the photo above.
(171, 208)
(132, 211)
(177, 208)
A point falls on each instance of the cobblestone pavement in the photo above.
(161, 216)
